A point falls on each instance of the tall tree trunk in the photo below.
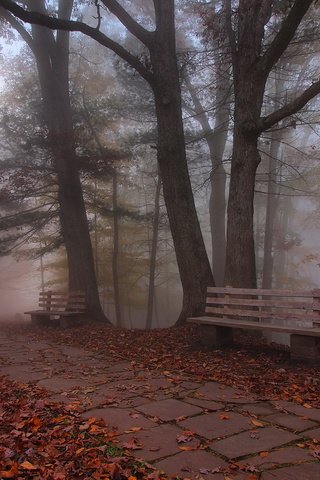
(240, 254)
(281, 253)
(52, 56)
(216, 140)
(153, 254)
(272, 203)
(192, 259)
(218, 180)
(115, 253)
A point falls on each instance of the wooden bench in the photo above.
(65, 307)
(267, 310)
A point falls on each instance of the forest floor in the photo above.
(166, 404)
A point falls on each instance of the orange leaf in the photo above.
(263, 454)
(224, 416)
(133, 429)
(256, 423)
(188, 449)
(131, 444)
(28, 466)
(14, 470)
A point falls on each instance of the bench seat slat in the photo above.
(263, 292)
(54, 312)
(62, 304)
(261, 314)
(61, 294)
(221, 322)
(272, 303)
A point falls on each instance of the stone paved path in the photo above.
(155, 409)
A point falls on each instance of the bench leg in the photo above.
(213, 336)
(70, 321)
(40, 319)
(305, 348)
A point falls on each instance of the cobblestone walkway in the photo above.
(183, 427)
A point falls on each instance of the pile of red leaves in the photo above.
(250, 364)
(43, 440)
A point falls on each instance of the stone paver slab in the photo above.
(293, 422)
(221, 393)
(156, 443)
(169, 409)
(60, 384)
(280, 457)
(24, 374)
(206, 404)
(256, 441)
(258, 409)
(312, 413)
(313, 434)
(188, 385)
(191, 465)
(122, 419)
(308, 471)
(212, 426)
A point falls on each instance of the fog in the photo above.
(19, 286)
(110, 144)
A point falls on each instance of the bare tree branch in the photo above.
(293, 107)
(230, 32)
(18, 27)
(74, 26)
(132, 26)
(284, 36)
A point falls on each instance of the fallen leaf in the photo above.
(256, 423)
(224, 416)
(135, 429)
(132, 445)
(14, 470)
(28, 466)
(263, 454)
(316, 454)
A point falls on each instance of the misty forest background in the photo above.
(115, 141)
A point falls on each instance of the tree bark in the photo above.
(216, 140)
(192, 259)
(115, 253)
(52, 57)
(161, 72)
(267, 271)
(153, 254)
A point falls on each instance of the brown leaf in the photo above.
(28, 466)
(132, 445)
(263, 454)
(256, 423)
(14, 470)
(224, 416)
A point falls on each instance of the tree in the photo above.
(252, 62)
(52, 58)
(159, 69)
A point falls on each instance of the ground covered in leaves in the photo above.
(40, 439)
(250, 364)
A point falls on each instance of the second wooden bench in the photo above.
(294, 312)
(59, 305)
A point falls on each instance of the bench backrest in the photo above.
(62, 301)
(263, 304)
